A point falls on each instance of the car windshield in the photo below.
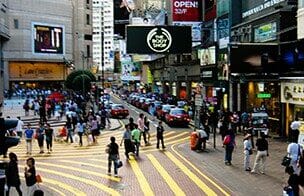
(177, 112)
(118, 107)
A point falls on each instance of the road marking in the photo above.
(169, 180)
(99, 160)
(145, 187)
(81, 170)
(199, 172)
(150, 148)
(83, 180)
(67, 187)
(190, 174)
(84, 164)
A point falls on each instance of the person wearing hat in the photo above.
(247, 151)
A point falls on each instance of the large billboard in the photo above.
(159, 39)
(196, 29)
(48, 39)
(255, 58)
(122, 10)
(186, 10)
(130, 71)
(207, 56)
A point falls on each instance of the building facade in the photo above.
(4, 37)
(45, 39)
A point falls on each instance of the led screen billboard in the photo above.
(48, 39)
(159, 39)
(207, 56)
(255, 58)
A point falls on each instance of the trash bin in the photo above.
(3, 167)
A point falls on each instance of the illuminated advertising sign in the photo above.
(266, 32)
(48, 39)
(258, 6)
(130, 71)
(186, 10)
(207, 56)
(159, 39)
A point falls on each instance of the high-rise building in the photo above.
(103, 34)
(4, 37)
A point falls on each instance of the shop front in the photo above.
(37, 74)
(292, 98)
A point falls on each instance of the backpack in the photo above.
(227, 140)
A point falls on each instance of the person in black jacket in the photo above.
(12, 174)
(112, 150)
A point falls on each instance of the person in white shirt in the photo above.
(294, 133)
(247, 151)
(294, 152)
(19, 127)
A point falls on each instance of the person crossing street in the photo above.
(160, 135)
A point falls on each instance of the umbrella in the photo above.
(56, 96)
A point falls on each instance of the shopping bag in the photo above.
(286, 161)
(119, 163)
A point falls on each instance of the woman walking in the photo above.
(30, 176)
(247, 152)
(229, 147)
(49, 133)
(146, 131)
(40, 132)
(80, 130)
(12, 174)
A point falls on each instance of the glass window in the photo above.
(88, 19)
(301, 3)
(16, 23)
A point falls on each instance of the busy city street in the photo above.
(152, 97)
(177, 170)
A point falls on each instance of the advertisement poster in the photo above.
(48, 39)
(186, 10)
(130, 71)
(207, 56)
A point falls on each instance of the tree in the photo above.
(80, 80)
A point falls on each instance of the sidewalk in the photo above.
(234, 177)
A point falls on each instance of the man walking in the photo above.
(29, 133)
(262, 152)
(19, 127)
(160, 135)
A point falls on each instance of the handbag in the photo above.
(119, 163)
(38, 178)
(286, 161)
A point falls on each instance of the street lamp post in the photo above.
(83, 84)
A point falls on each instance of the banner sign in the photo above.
(159, 39)
(130, 71)
(186, 10)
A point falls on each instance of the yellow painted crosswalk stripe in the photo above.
(80, 170)
(64, 186)
(199, 172)
(84, 164)
(169, 180)
(151, 148)
(83, 180)
(144, 185)
(190, 174)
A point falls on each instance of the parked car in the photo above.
(139, 102)
(145, 106)
(177, 116)
(118, 111)
(160, 114)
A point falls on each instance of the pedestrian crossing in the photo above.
(74, 170)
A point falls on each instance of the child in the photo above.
(12, 174)
(30, 176)
(29, 132)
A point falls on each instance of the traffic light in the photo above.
(7, 142)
